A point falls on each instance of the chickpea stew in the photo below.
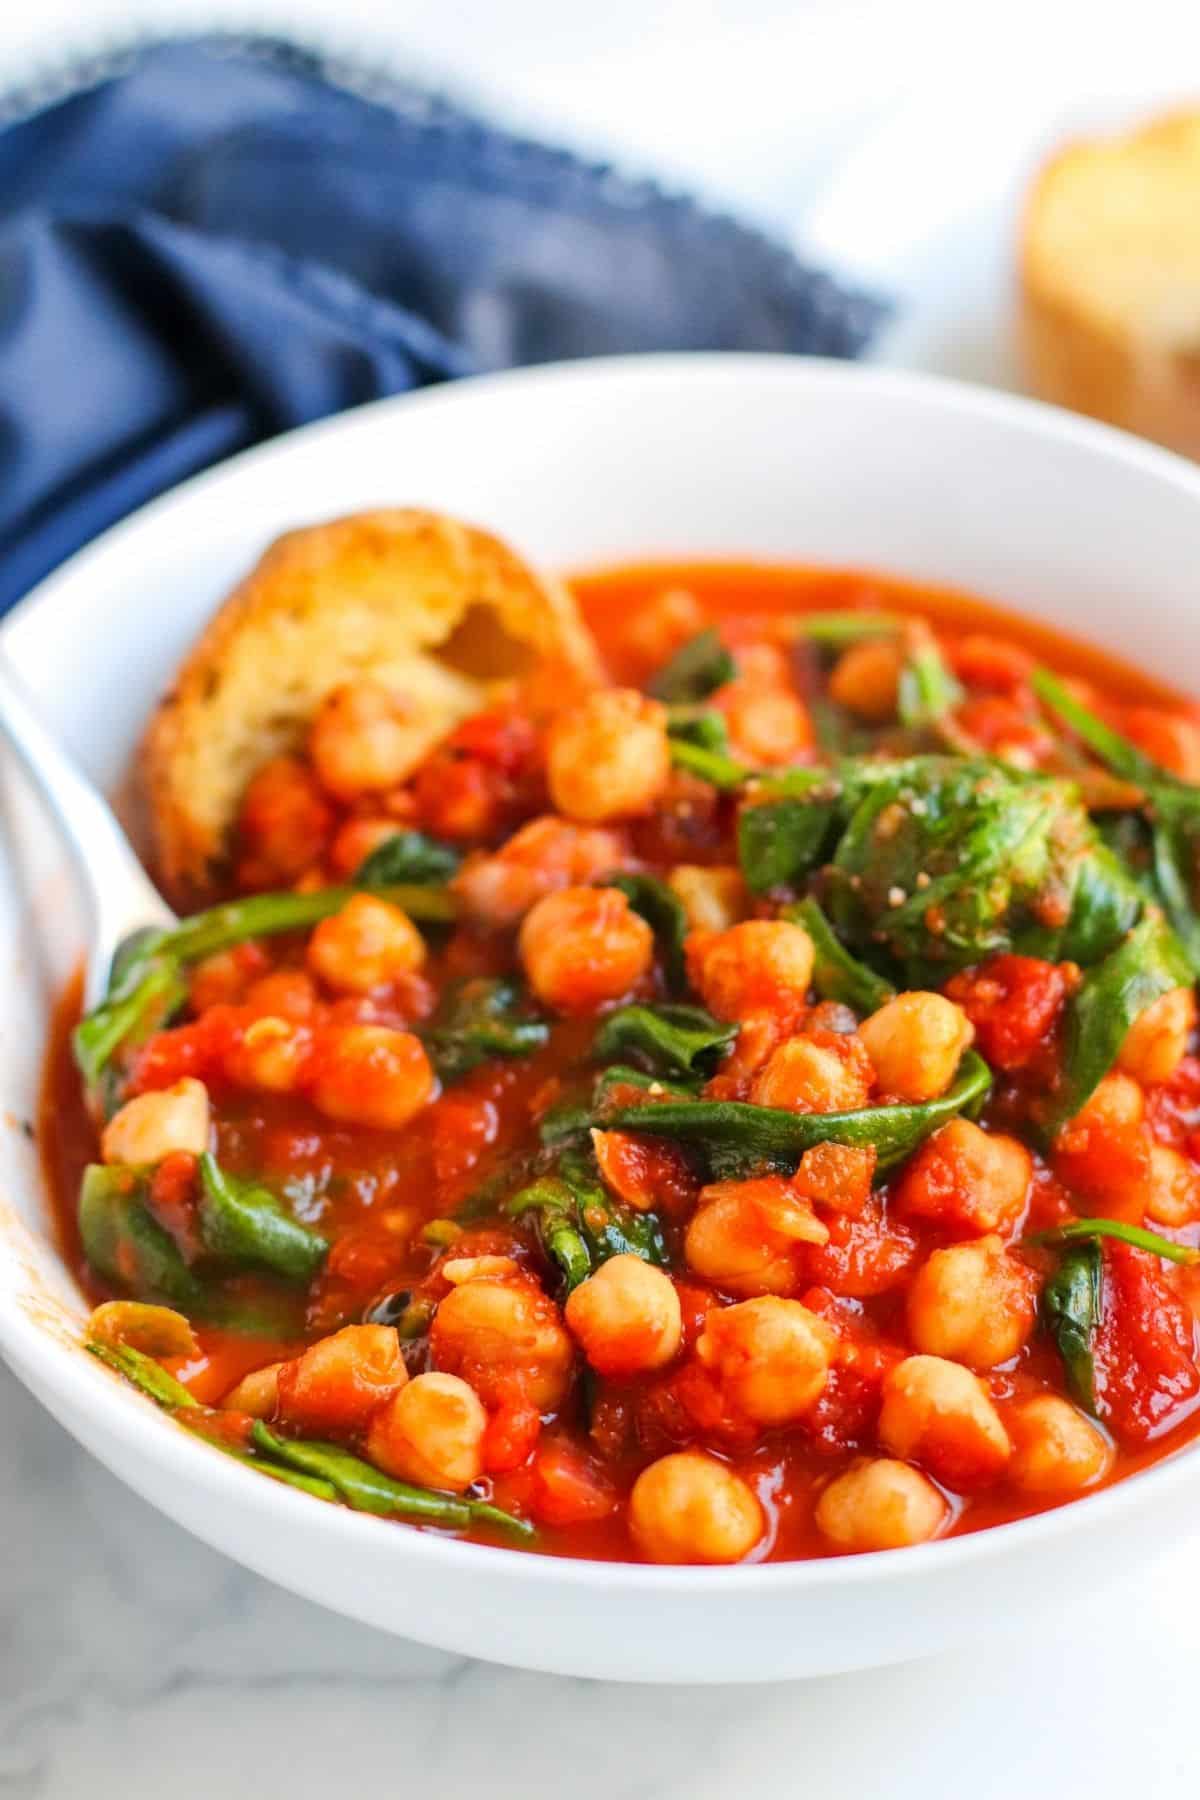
(749, 1111)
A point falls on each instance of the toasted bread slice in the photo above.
(436, 609)
(1110, 280)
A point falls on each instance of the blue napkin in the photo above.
(203, 243)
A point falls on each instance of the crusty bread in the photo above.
(437, 609)
(1110, 280)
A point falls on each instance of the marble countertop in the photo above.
(133, 1660)
(136, 1662)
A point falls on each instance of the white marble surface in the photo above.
(134, 1661)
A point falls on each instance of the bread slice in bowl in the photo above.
(440, 611)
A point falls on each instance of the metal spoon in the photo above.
(120, 896)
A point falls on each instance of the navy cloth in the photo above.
(207, 242)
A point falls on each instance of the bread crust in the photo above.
(442, 611)
(1079, 347)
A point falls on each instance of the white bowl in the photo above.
(598, 462)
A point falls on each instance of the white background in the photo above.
(135, 1662)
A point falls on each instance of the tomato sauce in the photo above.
(373, 1192)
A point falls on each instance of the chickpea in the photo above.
(689, 1508)
(584, 946)
(609, 758)
(818, 1072)
(662, 625)
(967, 1180)
(626, 1317)
(283, 994)
(543, 856)
(879, 1504)
(866, 680)
(1117, 1104)
(284, 822)
(1157, 1041)
(974, 1303)
(744, 1234)
(771, 1357)
(431, 1432)
(366, 738)
(1055, 1449)
(713, 898)
(915, 1042)
(153, 1126)
(1174, 1197)
(937, 1413)
(759, 966)
(338, 1383)
(501, 1334)
(256, 1393)
(271, 1057)
(767, 725)
(366, 945)
(371, 1075)
(457, 1269)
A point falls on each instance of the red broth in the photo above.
(373, 1190)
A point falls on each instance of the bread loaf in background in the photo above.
(1110, 280)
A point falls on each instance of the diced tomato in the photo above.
(847, 1408)
(837, 1176)
(568, 1488)
(173, 1199)
(1014, 1003)
(363, 1259)
(646, 1172)
(995, 722)
(991, 663)
(865, 1255)
(462, 1126)
(1171, 739)
(512, 1431)
(284, 824)
(197, 1049)
(1145, 1348)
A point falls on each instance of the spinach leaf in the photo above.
(695, 671)
(366, 1489)
(243, 1223)
(671, 1040)
(324, 1470)
(407, 856)
(1115, 751)
(1171, 807)
(580, 1224)
(125, 1243)
(664, 912)
(1148, 963)
(790, 828)
(714, 766)
(737, 1140)
(928, 691)
(838, 629)
(143, 1373)
(1071, 1306)
(1077, 1230)
(482, 1018)
(836, 974)
(147, 986)
(699, 726)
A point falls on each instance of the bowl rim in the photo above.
(123, 1418)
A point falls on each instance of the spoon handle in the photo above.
(119, 895)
